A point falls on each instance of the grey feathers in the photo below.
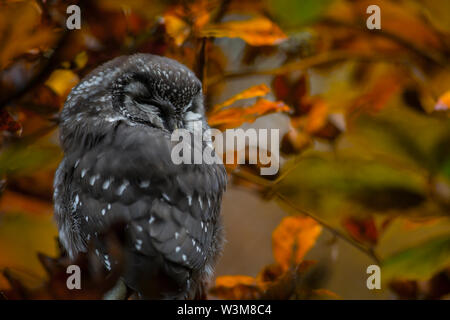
(115, 132)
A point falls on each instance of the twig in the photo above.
(46, 69)
(310, 62)
(252, 178)
(368, 251)
(200, 66)
(222, 10)
(428, 55)
(202, 60)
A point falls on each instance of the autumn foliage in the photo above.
(366, 130)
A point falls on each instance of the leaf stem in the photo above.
(368, 251)
(262, 182)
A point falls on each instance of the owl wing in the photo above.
(171, 210)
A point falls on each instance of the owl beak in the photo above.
(179, 124)
(176, 124)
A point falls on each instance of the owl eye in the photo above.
(163, 106)
(144, 100)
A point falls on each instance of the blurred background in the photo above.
(364, 128)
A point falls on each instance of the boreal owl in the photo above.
(115, 131)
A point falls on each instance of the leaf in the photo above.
(95, 279)
(438, 287)
(252, 92)
(317, 117)
(22, 159)
(363, 230)
(394, 17)
(292, 284)
(188, 18)
(271, 284)
(16, 202)
(258, 31)
(144, 8)
(234, 117)
(443, 103)
(21, 31)
(236, 287)
(393, 134)
(419, 262)
(294, 13)
(324, 294)
(330, 187)
(177, 28)
(81, 60)
(388, 198)
(62, 81)
(379, 94)
(294, 142)
(437, 14)
(293, 238)
(7, 123)
(22, 235)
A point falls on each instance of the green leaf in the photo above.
(21, 159)
(294, 13)
(402, 135)
(419, 262)
(328, 186)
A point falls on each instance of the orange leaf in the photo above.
(258, 31)
(16, 202)
(236, 287)
(379, 94)
(317, 117)
(293, 238)
(443, 103)
(176, 28)
(252, 92)
(200, 13)
(324, 294)
(234, 117)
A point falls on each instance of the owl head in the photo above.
(157, 91)
(141, 89)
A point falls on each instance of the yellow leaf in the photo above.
(176, 28)
(258, 31)
(62, 81)
(81, 59)
(443, 103)
(21, 31)
(293, 238)
(26, 228)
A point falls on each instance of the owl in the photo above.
(115, 131)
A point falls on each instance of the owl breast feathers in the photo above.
(115, 131)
